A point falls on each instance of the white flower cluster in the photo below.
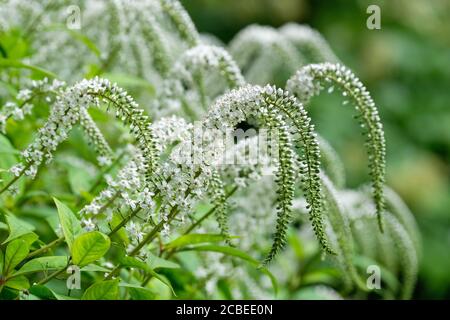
(204, 56)
(23, 105)
(66, 111)
(182, 20)
(169, 130)
(96, 138)
(122, 188)
(129, 191)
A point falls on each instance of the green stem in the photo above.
(124, 221)
(45, 248)
(110, 201)
(15, 178)
(210, 212)
(51, 276)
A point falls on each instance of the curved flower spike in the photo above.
(311, 79)
(66, 112)
(181, 20)
(49, 90)
(273, 107)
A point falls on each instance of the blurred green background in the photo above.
(406, 67)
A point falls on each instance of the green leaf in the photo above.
(94, 268)
(17, 227)
(156, 262)
(238, 254)
(45, 293)
(189, 239)
(121, 233)
(138, 293)
(42, 292)
(18, 283)
(8, 63)
(69, 222)
(162, 279)
(63, 297)
(29, 238)
(2, 262)
(132, 262)
(104, 290)
(43, 264)
(16, 251)
(89, 247)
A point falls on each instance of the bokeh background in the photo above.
(406, 67)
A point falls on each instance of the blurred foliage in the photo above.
(406, 68)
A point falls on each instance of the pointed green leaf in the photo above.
(132, 262)
(16, 251)
(162, 279)
(29, 238)
(18, 283)
(138, 293)
(94, 268)
(8, 63)
(89, 247)
(43, 264)
(156, 262)
(45, 293)
(189, 239)
(69, 222)
(104, 290)
(42, 292)
(63, 297)
(17, 227)
(121, 233)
